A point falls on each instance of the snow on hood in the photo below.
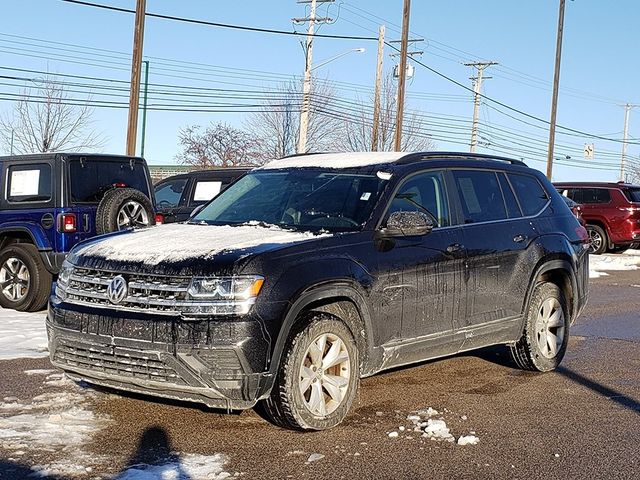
(179, 242)
(335, 160)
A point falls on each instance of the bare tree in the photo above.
(218, 145)
(45, 119)
(357, 125)
(277, 124)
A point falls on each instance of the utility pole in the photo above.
(306, 86)
(625, 136)
(554, 100)
(477, 88)
(136, 61)
(403, 73)
(377, 91)
(144, 106)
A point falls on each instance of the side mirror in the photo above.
(196, 210)
(407, 224)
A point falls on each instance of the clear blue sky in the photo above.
(600, 67)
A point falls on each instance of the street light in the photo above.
(306, 92)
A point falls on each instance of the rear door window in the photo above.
(92, 177)
(595, 195)
(169, 193)
(29, 183)
(513, 209)
(531, 195)
(480, 195)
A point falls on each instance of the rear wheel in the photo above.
(598, 240)
(546, 332)
(318, 378)
(25, 283)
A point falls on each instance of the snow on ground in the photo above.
(191, 466)
(22, 335)
(598, 264)
(430, 424)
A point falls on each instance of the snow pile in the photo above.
(435, 429)
(58, 422)
(179, 242)
(191, 466)
(600, 263)
(22, 335)
(335, 160)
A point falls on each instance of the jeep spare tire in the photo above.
(122, 208)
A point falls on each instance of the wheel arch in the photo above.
(560, 272)
(340, 299)
(22, 234)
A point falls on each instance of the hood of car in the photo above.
(187, 248)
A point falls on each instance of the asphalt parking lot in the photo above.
(578, 422)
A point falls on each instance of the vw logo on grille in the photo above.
(117, 289)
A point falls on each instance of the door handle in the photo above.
(519, 238)
(454, 247)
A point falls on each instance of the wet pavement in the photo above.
(581, 421)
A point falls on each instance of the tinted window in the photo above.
(480, 196)
(92, 177)
(301, 199)
(632, 194)
(421, 192)
(530, 193)
(29, 183)
(169, 194)
(513, 209)
(595, 195)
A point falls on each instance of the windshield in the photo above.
(301, 199)
(633, 194)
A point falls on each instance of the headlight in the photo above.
(225, 295)
(63, 280)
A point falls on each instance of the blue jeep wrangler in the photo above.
(52, 201)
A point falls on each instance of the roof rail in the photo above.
(482, 156)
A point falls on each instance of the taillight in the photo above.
(67, 223)
(159, 219)
(120, 185)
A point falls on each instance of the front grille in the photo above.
(145, 292)
(116, 361)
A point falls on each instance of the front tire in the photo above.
(546, 332)
(25, 283)
(317, 379)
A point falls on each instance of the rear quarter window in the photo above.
(29, 183)
(531, 194)
(632, 194)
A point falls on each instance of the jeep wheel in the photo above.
(24, 281)
(318, 378)
(597, 239)
(546, 332)
(124, 208)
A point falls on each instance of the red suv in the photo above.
(611, 212)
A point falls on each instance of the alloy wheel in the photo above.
(14, 279)
(595, 240)
(325, 372)
(132, 214)
(550, 327)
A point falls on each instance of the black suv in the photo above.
(314, 271)
(179, 195)
(52, 201)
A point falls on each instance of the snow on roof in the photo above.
(178, 242)
(335, 160)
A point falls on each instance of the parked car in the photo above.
(50, 202)
(611, 211)
(575, 208)
(314, 271)
(178, 196)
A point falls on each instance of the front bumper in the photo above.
(221, 364)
